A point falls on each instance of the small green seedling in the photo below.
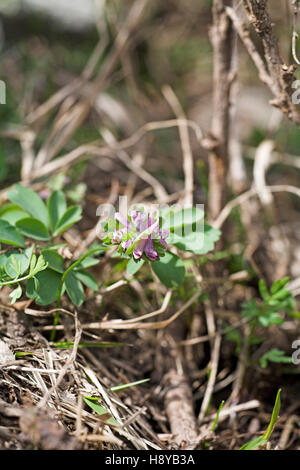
(275, 303)
(119, 388)
(105, 416)
(277, 300)
(17, 267)
(93, 402)
(274, 355)
(216, 420)
(261, 441)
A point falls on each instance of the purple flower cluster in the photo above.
(141, 229)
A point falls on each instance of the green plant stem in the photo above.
(16, 281)
(60, 288)
(20, 279)
(215, 423)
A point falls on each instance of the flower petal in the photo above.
(164, 233)
(163, 243)
(125, 245)
(117, 236)
(139, 249)
(150, 252)
(122, 220)
(140, 220)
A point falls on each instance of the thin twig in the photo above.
(67, 365)
(225, 412)
(212, 377)
(90, 150)
(122, 325)
(188, 162)
(247, 195)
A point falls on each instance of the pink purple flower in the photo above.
(140, 230)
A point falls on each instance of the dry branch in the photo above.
(277, 75)
(179, 409)
(222, 38)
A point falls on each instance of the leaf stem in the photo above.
(62, 281)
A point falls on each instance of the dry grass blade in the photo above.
(212, 377)
(188, 162)
(122, 325)
(92, 150)
(67, 365)
(279, 188)
(81, 109)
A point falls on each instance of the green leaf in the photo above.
(57, 206)
(274, 418)
(295, 314)
(12, 213)
(32, 287)
(30, 202)
(117, 254)
(69, 218)
(15, 294)
(74, 289)
(254, 444)
(250, 309)
(281, 294)
(211, 236)
(23, 353)
(87, 263)
(56, 182)
(33, 228)
(87, 279)
(118, 388)
(77, 192)
(10, 235)
(195, 242)
(39, 266)
(54, 260)
(46, 291)
(270, 318)
(279, 284)
(274, 355)
(134, 266)
(215, 423)
(32, 263)
(101, 411)
(263, 290)
(13, 267)
(23, 260)
(175, 220)
(259, 441)
(169, 269)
